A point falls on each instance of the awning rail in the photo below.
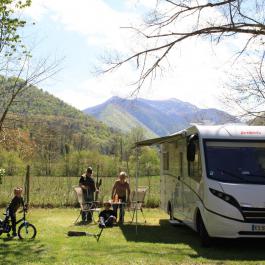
(157, 141)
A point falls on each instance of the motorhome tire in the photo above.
(205, 238)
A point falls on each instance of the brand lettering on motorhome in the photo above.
(250, 132)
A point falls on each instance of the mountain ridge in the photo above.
(160, 117)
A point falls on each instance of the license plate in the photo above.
(258, 228)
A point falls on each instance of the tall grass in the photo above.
(58, 191)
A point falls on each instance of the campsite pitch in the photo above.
(156, 242)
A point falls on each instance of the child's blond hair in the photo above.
(18, 191)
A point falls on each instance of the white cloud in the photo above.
(93, 91)
(195, 73)
(150, 4)
(95, 20)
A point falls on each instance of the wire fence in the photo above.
(58, 191)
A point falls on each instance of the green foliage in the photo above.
(58, 140)
(2, 174)
(75, 163)
(149, 161)
(152, 202)
(34, 101)
(63, 141)
(10, 23)
(11, 162)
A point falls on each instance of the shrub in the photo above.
(2, 174)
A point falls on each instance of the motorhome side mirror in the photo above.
(191, 150)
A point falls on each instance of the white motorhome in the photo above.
(213, 179)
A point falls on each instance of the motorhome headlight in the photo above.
(226, 197)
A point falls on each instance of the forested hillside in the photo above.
(35, 101)
(57, 139)
(42, 115)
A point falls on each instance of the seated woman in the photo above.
(107, 217)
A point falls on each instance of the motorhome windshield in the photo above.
(236, 162)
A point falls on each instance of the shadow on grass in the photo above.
(15, 251)
(86, 224)
(221, 249)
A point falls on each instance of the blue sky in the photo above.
(82, 32)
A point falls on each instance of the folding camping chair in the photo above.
(87, 207)
(137, 201)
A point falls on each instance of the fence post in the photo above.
(149, 182)
(27, 184)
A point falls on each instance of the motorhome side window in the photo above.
(166, 161)
(194, 167)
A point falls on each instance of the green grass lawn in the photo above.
(157, 242)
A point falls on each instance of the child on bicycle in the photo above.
(107, 217)
(12, 208)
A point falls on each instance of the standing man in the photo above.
(88, 186)
(121, 191)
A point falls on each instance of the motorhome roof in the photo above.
(235, 131)
(231, 131)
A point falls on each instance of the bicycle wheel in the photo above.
(27, 231)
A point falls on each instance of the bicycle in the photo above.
(25, 231)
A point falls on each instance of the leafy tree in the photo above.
(149, 161)
(10, 43)
(2, 174)
(16, 65)
(19, 140)
(10, 23)
(11, 162)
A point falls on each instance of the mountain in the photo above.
(46, 117)
(34, 101)
(157, 117)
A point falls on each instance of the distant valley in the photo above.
(156, 117)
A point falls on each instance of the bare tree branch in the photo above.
(26, 77)
(175, 21)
